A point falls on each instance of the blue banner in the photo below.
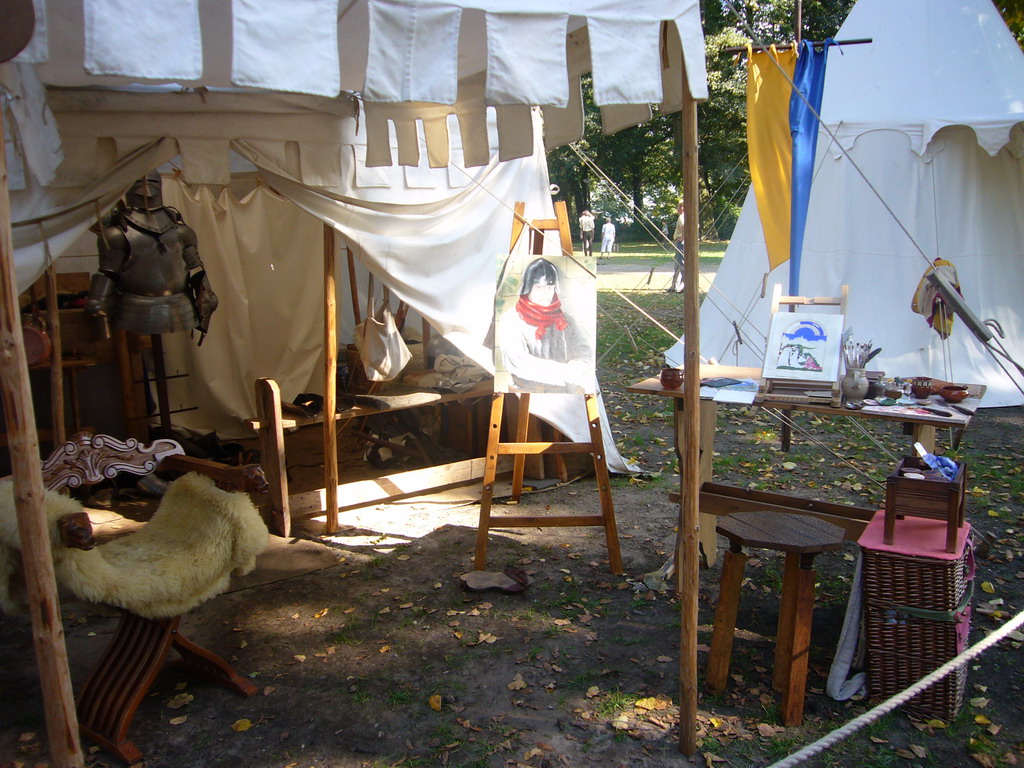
(808, 80)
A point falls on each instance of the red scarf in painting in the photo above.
(542, 317)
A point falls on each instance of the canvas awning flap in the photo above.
(410, 61)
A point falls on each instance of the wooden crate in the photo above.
(937, 499)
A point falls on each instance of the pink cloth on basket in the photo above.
(915, 536)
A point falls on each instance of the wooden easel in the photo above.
(781, 388)
(521, 447)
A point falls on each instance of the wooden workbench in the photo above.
(718, 499)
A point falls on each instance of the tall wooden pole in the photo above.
(40, 581)
(687, 554)
(56, 357)
(330, 384)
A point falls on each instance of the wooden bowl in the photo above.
(921, 392)
(953, 393)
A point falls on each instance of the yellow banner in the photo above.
(770, 145)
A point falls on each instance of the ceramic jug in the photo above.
(854, 384)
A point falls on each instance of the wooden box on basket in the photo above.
(914, 490)
(917, 611)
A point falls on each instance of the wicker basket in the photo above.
(890, 673)
(916, 613)
(923, 582)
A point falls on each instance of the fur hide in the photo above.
(183, 556)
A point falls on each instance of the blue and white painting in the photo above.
(804, 346)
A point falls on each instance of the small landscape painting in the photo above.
(804, 346)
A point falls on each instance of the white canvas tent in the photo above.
(284, 65)
(313, 144)
(930, 113)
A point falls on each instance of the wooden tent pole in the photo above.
(330, 384)
(40, 581)
(687, 554)
(56, 357)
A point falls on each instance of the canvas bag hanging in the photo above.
(381, 347)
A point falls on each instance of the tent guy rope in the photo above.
(902, 697)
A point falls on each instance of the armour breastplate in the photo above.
(155, 265)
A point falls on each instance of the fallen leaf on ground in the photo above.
(241, 725)
(517, 683)
(593, 691)
(179, 700)
(178, 720)
(435, 702)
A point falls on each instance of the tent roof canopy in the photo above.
(978, 86)
(409, 61)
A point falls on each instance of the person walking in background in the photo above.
(678, 237)
(607, 237)
(587, 232)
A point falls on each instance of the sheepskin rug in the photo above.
(183, 556)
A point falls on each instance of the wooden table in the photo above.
(270, 426)
(718, 499)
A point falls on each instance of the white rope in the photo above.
(901, 698)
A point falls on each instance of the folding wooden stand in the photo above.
(122, 678)
(141, 646)
(520, 449)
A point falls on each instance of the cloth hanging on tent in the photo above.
(769, 144)
(809, 81)
(382, 349)
(928, 301)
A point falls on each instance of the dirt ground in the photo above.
(368, 653)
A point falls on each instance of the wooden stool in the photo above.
(801, 537)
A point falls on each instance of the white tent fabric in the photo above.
(957, 60)
(131, 88)
(930, 112)
(407, 58)
(434, 243)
